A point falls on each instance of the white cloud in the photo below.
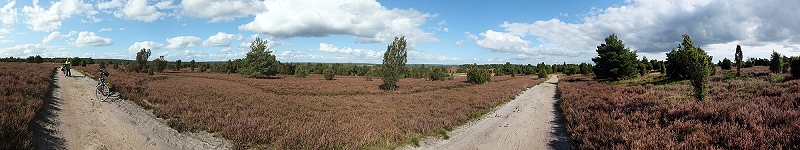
(50, 37)
(105, 29)
(144, 44)
(503, 42)
(25, 50)
(166, 4)
(459, 43)
(330, 48)
(3, 37)
(470, 36)
(366, 20)
(57, 35)
(110, 4)
(90, 39)
(222, 10)
(446, 30)
(222, 39)
(137, 10)
(8, 14)
(182, 42)
(656, 26)
(40, 19)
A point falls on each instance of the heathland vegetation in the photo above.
(23, 89)
(749, 108)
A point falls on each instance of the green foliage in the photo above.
(38, 59)
(542, 73)
(691, 62)
(615, 61)
(300, 71)
(479, 76)
(438, 74)
(776, 63)
(642, 69)
(203, 67)
(178, 65)
(329, 73)
(141, 61)
(795, 65)
(443, 133)
(102, 64)
(158, 65)
(368, 75)
(259, 61)
(726, 64)
(738, 60)
(192, 64)
(394, 62)
(115, 66)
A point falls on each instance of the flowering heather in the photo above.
(749, 113)
(313, 113)
(23, 88)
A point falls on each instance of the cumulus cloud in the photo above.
(3, 37)
(24, 50)
(221, 10)
(222, 39)
(50, 37)
(366, 20)
(182, 42)
(330, 48)
(41, 19)
(135, 47)
(134, 10)
(90, 39)
(503, 42)
(657, 26)
(8, 14)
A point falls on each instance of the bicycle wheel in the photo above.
(102, 92)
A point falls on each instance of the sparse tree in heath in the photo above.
(615, 61)
(795, 66)
(738, 60)
(141, 61)
(300, 71)
(394, 63)
(329, 73)
(696, 65)
(259, 61)
(192, 65)
(726, 64)
(776, 63)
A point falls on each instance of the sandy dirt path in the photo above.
(531, 121)
(75, 119)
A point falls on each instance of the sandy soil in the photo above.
(531, 121)
(75, 119)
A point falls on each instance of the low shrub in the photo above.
(328, 73)
(479, 76)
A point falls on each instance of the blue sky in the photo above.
(440, 32)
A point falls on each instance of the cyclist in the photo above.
(66, 67)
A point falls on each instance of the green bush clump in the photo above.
(479, 76)
(328, 73)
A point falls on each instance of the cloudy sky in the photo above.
(440, 32)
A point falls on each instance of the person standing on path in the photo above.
(67, 66)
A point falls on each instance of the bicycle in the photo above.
(102, 92)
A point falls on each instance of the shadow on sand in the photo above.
(562, 140)
(45, 134)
